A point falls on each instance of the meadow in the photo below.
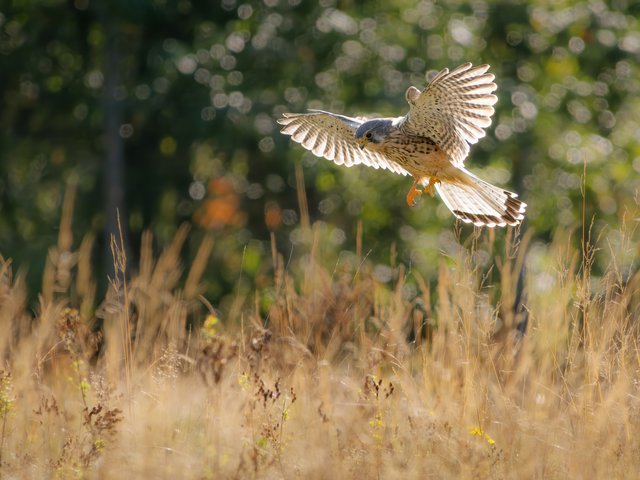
(303, 322)
(341, 370)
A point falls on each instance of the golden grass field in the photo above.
(341, 376)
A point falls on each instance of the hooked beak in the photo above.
(361, 143)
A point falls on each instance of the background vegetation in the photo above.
(166, 109)
(317, 323)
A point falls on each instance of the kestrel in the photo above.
(430, 143)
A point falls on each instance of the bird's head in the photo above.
(373, 132)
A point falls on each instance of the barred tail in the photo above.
(475, 201)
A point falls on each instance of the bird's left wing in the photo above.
(454, 109)
(332, 136)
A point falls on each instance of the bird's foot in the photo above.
(430, 188)
(413, 193)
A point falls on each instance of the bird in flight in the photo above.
(430, 143)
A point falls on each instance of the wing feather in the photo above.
(332, 136)
(454, 109)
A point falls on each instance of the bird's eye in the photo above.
(368, 134)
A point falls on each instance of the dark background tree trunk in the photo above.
(114, 174)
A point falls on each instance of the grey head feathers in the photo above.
(375, 130)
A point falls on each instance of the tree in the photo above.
(201, 83)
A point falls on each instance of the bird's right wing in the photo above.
(332, 136)
(454, 109)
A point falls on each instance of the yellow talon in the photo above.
(430, 187)
(413, 193)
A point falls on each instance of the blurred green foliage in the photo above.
(201, 84)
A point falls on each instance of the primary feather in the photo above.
(332, 136)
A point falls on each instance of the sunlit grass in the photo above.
(328, 371)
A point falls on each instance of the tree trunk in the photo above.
(114, 181)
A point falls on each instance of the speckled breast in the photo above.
(419, 155)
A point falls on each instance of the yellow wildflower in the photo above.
(478, 432)
(209, 326)
(243, 381)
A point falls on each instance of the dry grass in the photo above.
(342, 376)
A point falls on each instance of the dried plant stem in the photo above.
(302, 199)
(120, 267)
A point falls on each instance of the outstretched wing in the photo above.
(454, 109)
(332, 136)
